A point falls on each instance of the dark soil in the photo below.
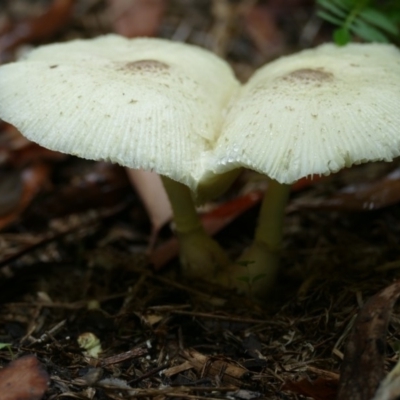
(73, 261)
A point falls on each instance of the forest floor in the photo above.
(74, 236)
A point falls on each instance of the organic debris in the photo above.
(75, 240)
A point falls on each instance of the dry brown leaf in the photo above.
(23, 379)
(33, 153)
(261, 26)
(99, 185)
(10, 190)
(321, 388)
(33, 178)
(11, 138)
(363, 364)
(358, 197)
(38, 28)
(132, 18)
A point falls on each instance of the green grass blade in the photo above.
(368, 32)
(379, 19)
(330, 18)
(333, 8)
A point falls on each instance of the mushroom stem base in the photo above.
(200, 255)
(256, 270)
(254, 273)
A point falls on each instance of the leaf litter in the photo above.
(75, 250)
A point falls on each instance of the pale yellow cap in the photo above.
(143, 103)
(315, 112)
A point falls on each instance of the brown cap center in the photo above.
(308, 75)
(146, 65)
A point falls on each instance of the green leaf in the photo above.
(245, 279)
(258, 277)
(245, 263)
(346, 4)
(330, 18)
(395, 16)
(379, 19)
(368, 32)
(341, 36)
(333, 8)
(7, 346)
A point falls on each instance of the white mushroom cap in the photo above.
(142, 103)
(315, 112)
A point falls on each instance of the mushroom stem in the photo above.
(256, 269)
(215, 184)
(200, 255)
(185, 214)
(270, 221)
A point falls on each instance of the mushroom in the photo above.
(143, 103)
(311, 113)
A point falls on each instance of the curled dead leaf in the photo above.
(358, 197)
(32, 178)
(41, 27)
(132, 18)
(321, 388)
(363, 364)
(23, 379)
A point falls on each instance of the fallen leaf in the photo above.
(225, 18)
(23, 379)
(358, 197)
(262, 29)
(10, 190)
(42, 27)
(321, 388)
(101, 185)
(32, 179)
(363, 364)
(33, 153)
(306, 182)
(132, 18)
(11, 138)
